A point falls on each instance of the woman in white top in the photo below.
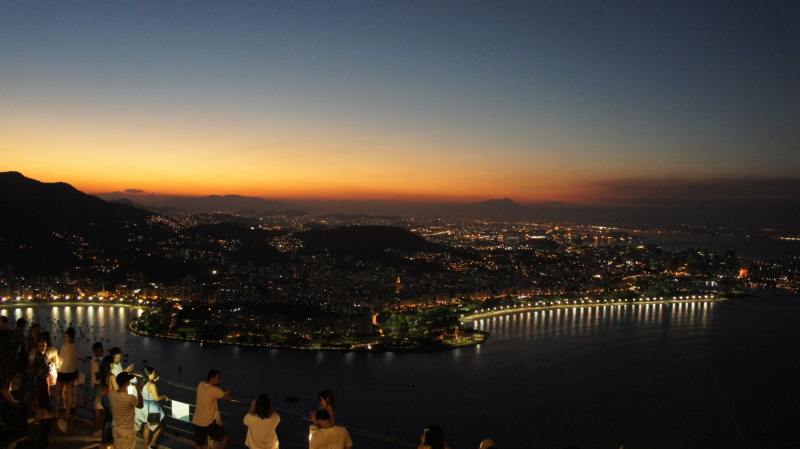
(67, 373)
(261, 422)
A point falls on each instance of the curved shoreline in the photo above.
(8, 304)
(377, 347)
(479, 316)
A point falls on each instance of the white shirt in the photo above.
(49, 354)
(261, 432)
(333, 438)
(117, 369)
(123, 409)
(69, 358)
(206, 409)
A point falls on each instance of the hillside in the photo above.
(59, 205)
(363, 241)
(45, 222)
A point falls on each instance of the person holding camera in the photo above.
(433, 438)
(123, 412)
(329, 436)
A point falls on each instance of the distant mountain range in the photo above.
(742, 213)
(52, 228)
(203, 204)
(502, 209)
(159, 210)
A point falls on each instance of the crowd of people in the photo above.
(40, 373)
(124, 404)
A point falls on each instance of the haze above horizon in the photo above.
(619, 102)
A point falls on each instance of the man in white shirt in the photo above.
(205, 426)
(329, 436)
(123, 411)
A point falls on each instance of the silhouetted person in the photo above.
(97, 386)
(7, 361)
(433, 438)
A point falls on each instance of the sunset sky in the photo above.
(570, 101)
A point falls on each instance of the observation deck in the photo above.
(177, 433)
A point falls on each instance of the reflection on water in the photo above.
(589, 376)
(581, 321)
(91, 323)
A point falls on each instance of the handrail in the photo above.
(355, 430)
(364, 433)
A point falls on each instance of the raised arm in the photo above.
(151, 387)
(140, 404)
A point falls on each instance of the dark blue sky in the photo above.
(399, 99)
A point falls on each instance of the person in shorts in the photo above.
(205, 426)
(97, 386)
(67, 374)
(8, 366)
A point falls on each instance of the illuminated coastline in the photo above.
(12, 304)
(584, 304)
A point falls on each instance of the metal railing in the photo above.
(291, 433)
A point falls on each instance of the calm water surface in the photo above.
(749, 248)
(658, 376)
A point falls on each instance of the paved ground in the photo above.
(76, 435)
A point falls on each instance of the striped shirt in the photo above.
(123, 409)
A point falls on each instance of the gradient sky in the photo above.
(561, 100)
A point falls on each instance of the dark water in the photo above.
(750, 248)
(658, 376)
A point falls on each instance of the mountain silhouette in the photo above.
(223, 203)
(505, 208)
(58, 205)
(46, 221)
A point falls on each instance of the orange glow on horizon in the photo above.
(197, 156)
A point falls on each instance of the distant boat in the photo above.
(410, 383)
